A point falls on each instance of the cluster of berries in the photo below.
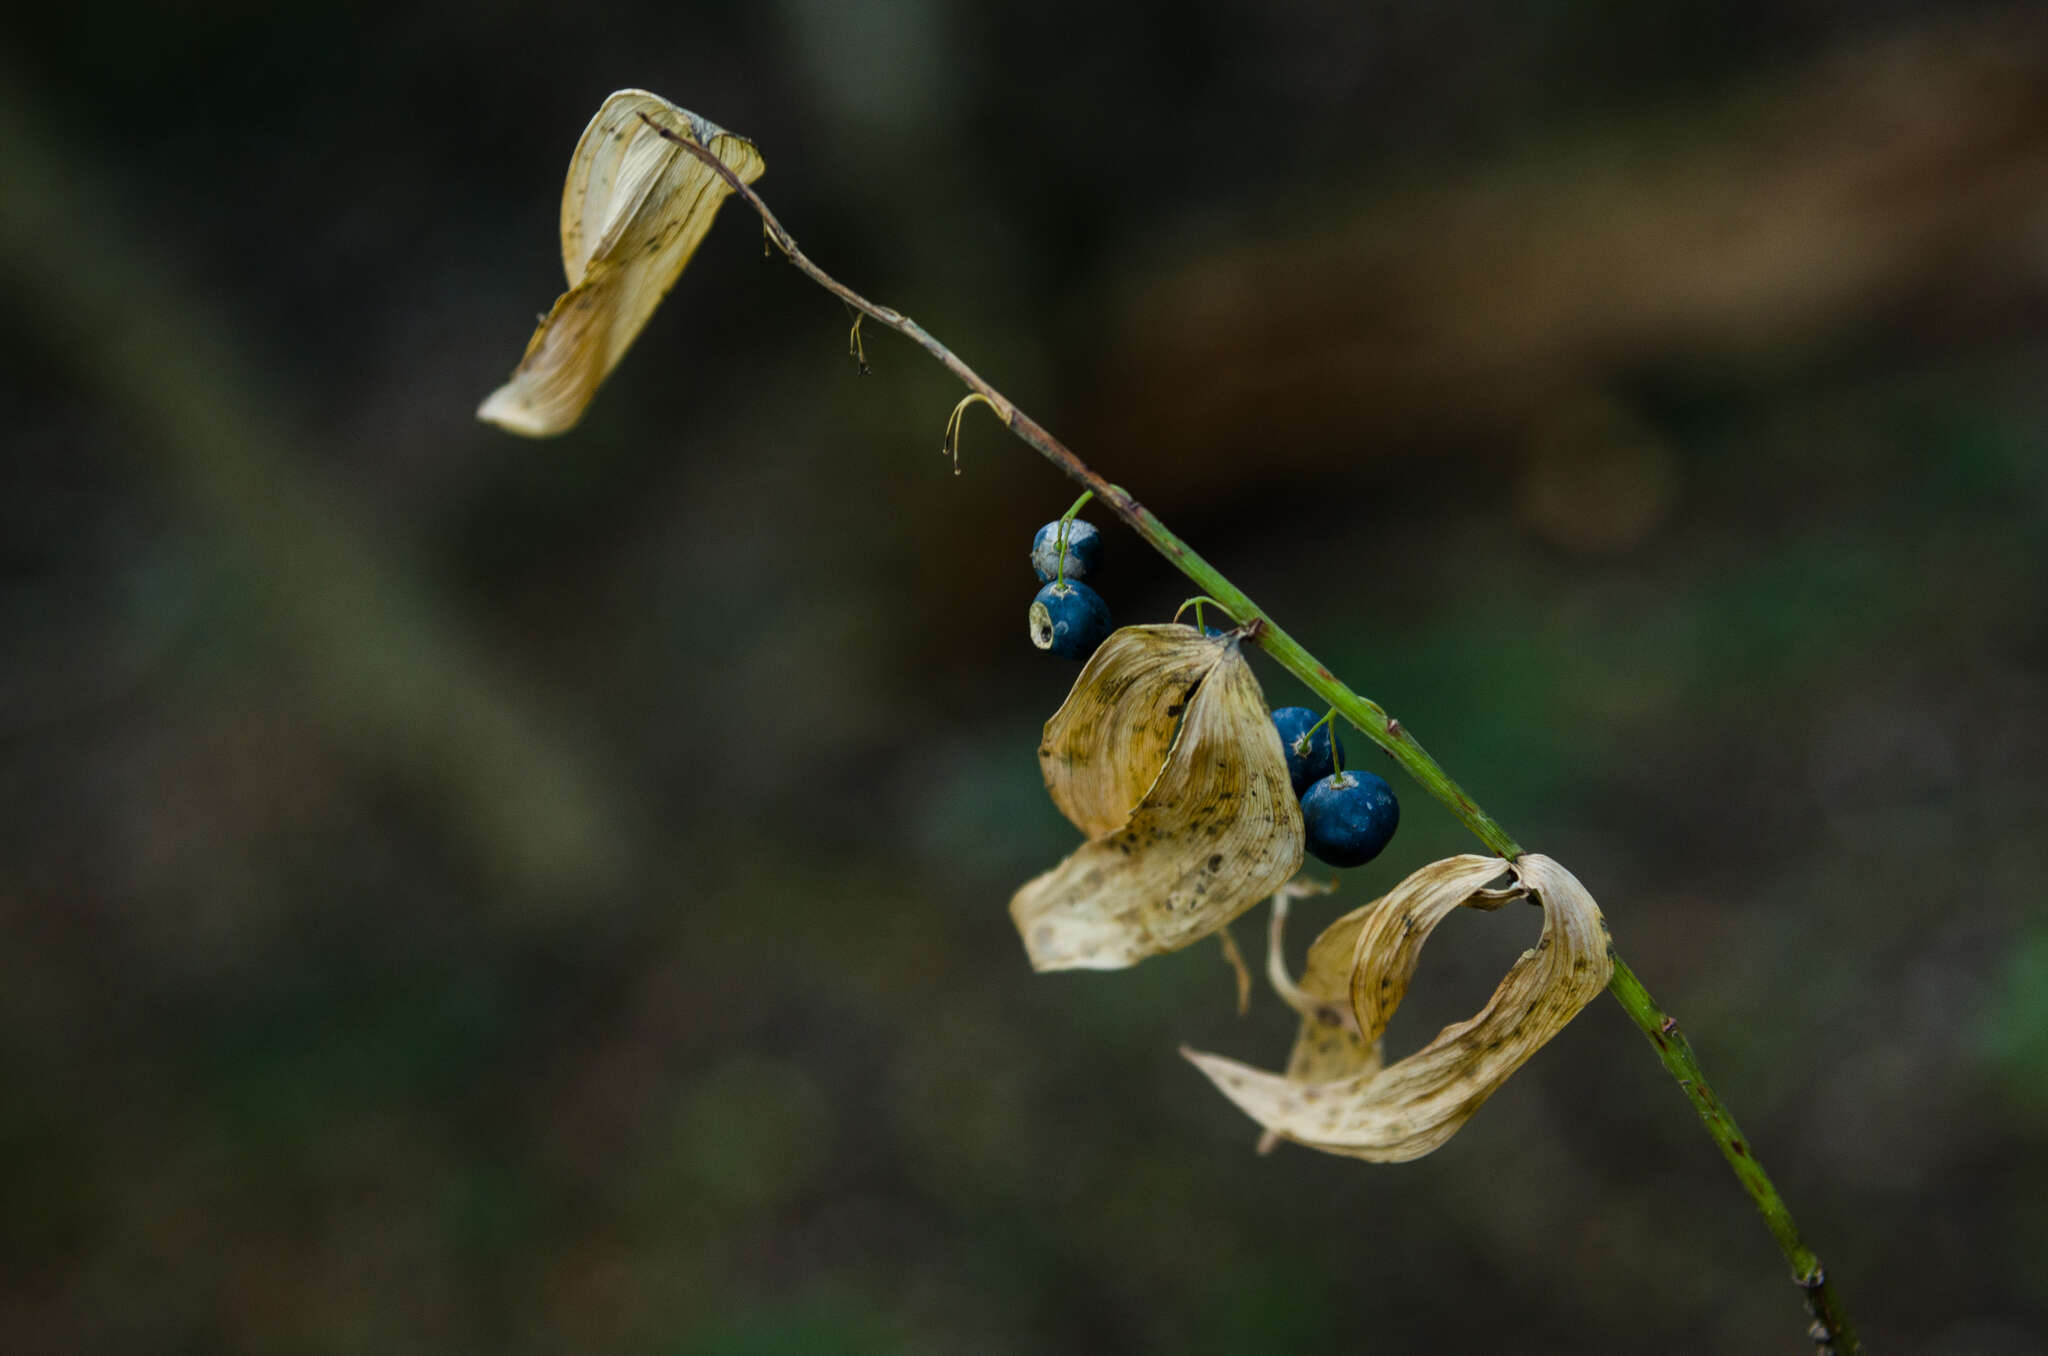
(1349, 816)
(1068, 617)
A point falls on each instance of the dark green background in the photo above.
(467, 895)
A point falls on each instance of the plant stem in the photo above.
(1066, 523)
(1831, 1330)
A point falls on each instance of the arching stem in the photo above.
(1066, 522)
(1831, 1329)
(1306, 743)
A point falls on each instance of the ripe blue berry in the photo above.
(1349, 817)
(1069, 619)
(1084, 551)
(1306, 767)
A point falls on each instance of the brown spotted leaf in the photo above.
(1106, 744)
(1217, 828)
(1329, 1045)
(634, 210)
(1406, 1109)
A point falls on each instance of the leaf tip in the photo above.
(506, 409)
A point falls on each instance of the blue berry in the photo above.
(1306, 768)
(1349, 817)
(1084, 551)
(1069, 619)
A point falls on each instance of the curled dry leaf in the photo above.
(1165, 755)
(634, 210)
(1328, 1046)
(1403, 1110)
(1106, 744)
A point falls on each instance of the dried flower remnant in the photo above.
(634, 210)
(1239, 971)
(1328, 1046)
(1396, 1112)
(1164, 754)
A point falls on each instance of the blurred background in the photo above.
(460, 894)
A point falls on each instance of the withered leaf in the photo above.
(1329, 1045)
(1406, 1109)
(1107, 743)
(634, 210)
(1214, 830)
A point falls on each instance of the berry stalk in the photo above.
(1831, 1330)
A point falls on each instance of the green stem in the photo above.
(1066, 523)
(1370, 718)
(1305, 745)
(1196, 603)
(1831, 1329)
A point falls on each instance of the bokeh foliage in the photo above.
(465, 895)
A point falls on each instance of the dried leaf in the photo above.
(634, 210)
(1328, 1046)
(1106, 744)
(1408, 1108)
(1216, 829)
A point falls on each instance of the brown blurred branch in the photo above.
(1772, 218)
